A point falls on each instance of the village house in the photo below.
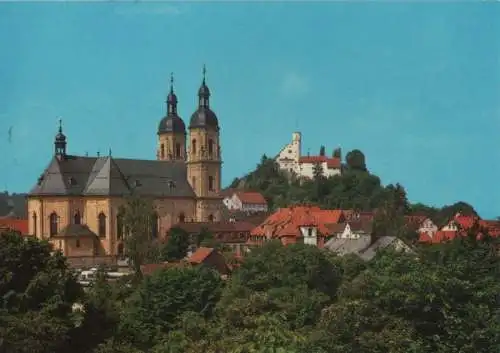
(296, 224)
(233, 235)
(246, 201)
(291, 160)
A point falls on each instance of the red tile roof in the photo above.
(286, 222)
(331, 163)
(250, 197)
(19, 225)
(200, 255)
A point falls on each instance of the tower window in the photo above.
(102, 224)
(211, 183)
(193, 146)
(162, 151)
(53, 224)
(35, 221)
(193, 182)
(77, 219)
(210, 147)
(177, 150)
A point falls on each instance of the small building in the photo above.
(290, 159)
(246, 201)
(233, 235)
(210, 257)
(297, 224)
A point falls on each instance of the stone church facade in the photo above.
(76, 201)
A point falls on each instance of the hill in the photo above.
(357, 188)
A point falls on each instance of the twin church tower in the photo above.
(200, 149)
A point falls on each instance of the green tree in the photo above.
(177, 245)
(355, 160)
(161, 300)
(37, 292)
(137, 217)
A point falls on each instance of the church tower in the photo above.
(204, 159)
(60, 143)
(171, 131)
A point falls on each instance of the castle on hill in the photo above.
(290, 159)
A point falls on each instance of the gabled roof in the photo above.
(251, 198)
(19, 225)
(286, 222)
(332, 163)
(200, 255)
(76, 230)
(107, 176)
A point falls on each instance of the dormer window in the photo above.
(171, 184)
(310, 232)
(40, 179)
(72, 181)
(137, 183)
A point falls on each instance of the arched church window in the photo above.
(182, 217)
(53, 223)
(120, 250)
(102, 224)
(154, 225)
(210, 147)
(119, 226)
(211, 183)
(193, 146)
(77, 218)
(177, 150)
(162, 151)
(211, 218)
(35, 221)
(193, 182)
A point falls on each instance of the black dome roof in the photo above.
(173, 124)
(204, 117)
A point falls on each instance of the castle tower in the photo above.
(60, 143)
(171, 131)
(204, 159)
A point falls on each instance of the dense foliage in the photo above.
(299, 298)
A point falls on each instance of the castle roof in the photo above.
(108, 176)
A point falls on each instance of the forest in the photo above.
(442, 299)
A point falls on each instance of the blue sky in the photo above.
(416, 87)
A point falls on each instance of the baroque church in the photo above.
(76, 201)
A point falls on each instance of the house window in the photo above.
(77, 243)
(193, 146)
(35, 219)
(210, 147)
(77, 218)
(182, 217)
(154, 226)
(178, 150)
(102, 224)
(162, 151)
(211, 183)
(53, 224)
